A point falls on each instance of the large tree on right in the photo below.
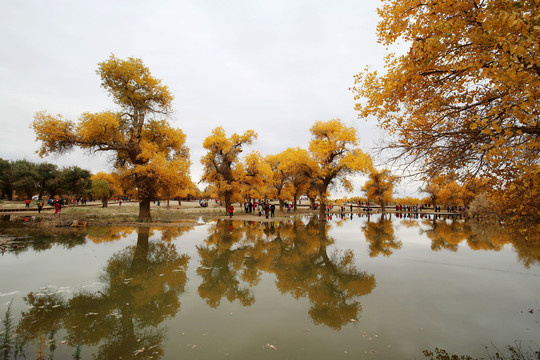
(464, 97)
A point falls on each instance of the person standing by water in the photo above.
(266, 210)
(57, 207)
(231, 211)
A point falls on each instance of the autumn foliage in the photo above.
(464, 98)
(149, 154)
(222, 166)
(380, 187)
(336, 156)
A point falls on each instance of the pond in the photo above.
(354, 287)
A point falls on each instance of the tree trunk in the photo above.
(295, 198)
(144, 211)
(281, 205)
(104, 202)
(322, 197)
(227, 195)
(382, 206)
(322, 210)
(141, 250)
(312, 202)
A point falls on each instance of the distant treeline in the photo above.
(24, 179)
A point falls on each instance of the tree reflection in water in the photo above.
(142, 284)
(380, 236)
(222, 258)
(235, 255)
(481, 236)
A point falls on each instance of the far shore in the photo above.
(187, 213)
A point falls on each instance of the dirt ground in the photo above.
(127, 212)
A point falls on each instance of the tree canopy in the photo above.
(334, 149)
(149, 153)
(221, 164)
(380, 186)
(464, 98)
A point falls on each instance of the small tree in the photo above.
(76, 181)
(48, 179)
(380, 186)
(101, 190)
(6, 179)
(114, 180)
(257, 176)
(25, 177)
(280, 181)
(292, 172)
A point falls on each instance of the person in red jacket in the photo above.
(231, 210)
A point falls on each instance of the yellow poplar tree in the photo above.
(222, 167)
(464, 98)
(473, 188)
(149, 153)
(114, 180)
(297, 165)
(280, 181)
(257, 176)
(101, 190)
(380, 186)
(334, 149)
(449, 194)
(106, 185)
(433, 186)
(189, 191)
(178, 190)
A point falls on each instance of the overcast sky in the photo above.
(272, 66)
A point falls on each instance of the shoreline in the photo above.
(189, 213)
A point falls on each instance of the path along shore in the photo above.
(187, 210)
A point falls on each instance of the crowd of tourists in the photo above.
(416, 208)
(261, 207)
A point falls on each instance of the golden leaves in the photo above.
(335, 155)
(151, 156)
(56, 134)
(97, 128)
(222, 167)
(465, 96)
(380, 186)
(131, 85)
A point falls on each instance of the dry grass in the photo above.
(128, 212)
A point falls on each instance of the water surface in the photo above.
(353, 287)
